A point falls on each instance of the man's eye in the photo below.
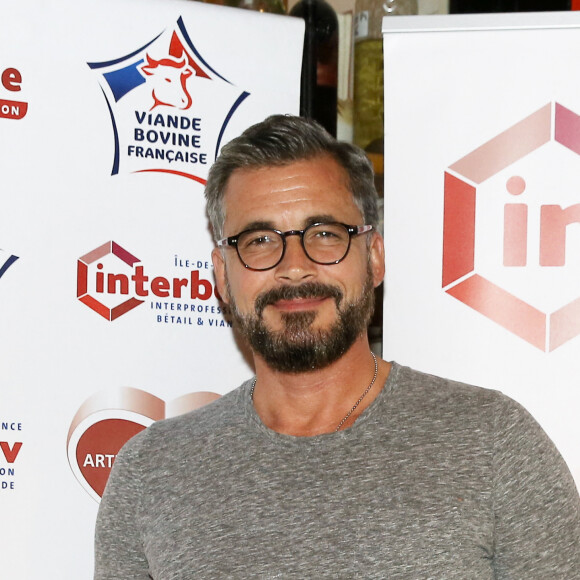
(327, 236)
(259, 241)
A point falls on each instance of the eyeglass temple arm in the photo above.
(231, 241)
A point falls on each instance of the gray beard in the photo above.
(298, 347)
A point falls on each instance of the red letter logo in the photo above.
(118, 283)
(547, 329)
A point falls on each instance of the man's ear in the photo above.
(377, 258)
(219, 271)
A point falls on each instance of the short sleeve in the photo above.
(536, 504)
(119, 552)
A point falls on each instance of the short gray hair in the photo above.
(281, 140)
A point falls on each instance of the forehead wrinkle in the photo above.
(260, 225)
(280, 206)
(282, 189)
(308, 221)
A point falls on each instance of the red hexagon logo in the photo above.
(544, 328)
(84, 294)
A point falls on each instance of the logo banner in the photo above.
(482, 213)
(111, 115)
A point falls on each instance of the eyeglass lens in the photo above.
(323, 243)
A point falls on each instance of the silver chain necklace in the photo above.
(353, 409)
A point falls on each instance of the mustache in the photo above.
(306, 290)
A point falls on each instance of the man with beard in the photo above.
(329, 463)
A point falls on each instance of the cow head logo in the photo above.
(168, 77)
(170, 108)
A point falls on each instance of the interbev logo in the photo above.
(511, 239)
(169, 106)
(112, 281)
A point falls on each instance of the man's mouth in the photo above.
(297, 298)
(300, 304)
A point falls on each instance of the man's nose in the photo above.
(295, 264)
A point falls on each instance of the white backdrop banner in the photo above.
(111, 113)
(482, 207)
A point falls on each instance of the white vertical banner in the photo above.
(111, 114)
(482, 207)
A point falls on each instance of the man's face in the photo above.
(299, 315)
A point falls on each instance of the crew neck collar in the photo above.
(324, 438)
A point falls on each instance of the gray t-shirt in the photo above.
(435, 480)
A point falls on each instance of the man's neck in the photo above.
(315, 402)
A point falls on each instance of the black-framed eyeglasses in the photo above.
(323, 243)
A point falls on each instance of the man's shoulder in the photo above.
(420, 384)
(218, 417)
(431, 408)
(436, 398)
